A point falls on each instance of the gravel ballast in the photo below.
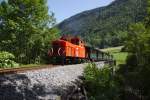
(44, 84)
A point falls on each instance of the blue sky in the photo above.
(66, 8)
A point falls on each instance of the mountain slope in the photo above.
(104, 26)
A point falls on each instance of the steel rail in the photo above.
(24, 69)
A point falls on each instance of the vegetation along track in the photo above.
(24, 69)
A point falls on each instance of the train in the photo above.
(72, 50)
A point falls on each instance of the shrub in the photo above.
(100, 84)
(6, 60)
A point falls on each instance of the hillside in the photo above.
(105, 26)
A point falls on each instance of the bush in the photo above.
(100, 83)
(6, 60)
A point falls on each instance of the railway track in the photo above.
(24, 69)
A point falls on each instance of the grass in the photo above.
(112, 49)
(30, 65)
(119, 56)
(23, 66)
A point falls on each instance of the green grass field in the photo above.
(119, 56)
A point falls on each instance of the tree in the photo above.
(137, 68)
(147, 21)
(25, 29)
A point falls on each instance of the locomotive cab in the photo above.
(77, 41)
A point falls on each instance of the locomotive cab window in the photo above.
(75, 41)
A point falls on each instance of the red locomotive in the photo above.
(73, 50)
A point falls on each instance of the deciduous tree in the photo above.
(25, 29)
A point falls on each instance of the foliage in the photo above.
(6, 55)
(25, 29)
(137, 70)
(106, 26)
(6, 60)
(100, 83)
(137, 65)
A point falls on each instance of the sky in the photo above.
(64, 9)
